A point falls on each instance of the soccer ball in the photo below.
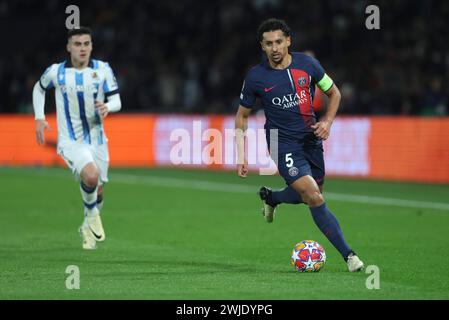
(308, 256)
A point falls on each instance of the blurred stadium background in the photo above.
(182, 63)
(178, 58)
(190, 56)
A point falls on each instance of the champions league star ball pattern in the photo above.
(308, 256)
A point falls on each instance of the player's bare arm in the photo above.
(41, 125)
(322, 128)
(38, 105)
(241, 124)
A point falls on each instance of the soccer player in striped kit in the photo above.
(82, 85)
(285, 84)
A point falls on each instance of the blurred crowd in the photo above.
(191, 56)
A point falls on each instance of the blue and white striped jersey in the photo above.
(75, 93)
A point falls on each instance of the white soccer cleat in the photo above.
(89, 242)
(267, 210)
(354, 263)
(95, 225)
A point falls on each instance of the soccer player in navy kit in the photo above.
(285, 84)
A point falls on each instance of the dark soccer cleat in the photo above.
(267, 209)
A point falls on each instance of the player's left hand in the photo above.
(242, 170)
(322, 129)
(102, 109)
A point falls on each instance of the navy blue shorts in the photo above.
(297, 158)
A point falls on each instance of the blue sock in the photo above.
(86, 188)
(286, 195)
(330, 227)
(89, 195)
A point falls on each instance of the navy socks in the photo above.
(329, 226)
(322, 216)
(286, 195)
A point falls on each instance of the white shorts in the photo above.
(78, 154)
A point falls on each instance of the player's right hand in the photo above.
(102, 109)
(41, 125)
(242, 170)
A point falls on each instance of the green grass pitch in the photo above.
(180, 234)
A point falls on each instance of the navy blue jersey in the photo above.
(286, 94)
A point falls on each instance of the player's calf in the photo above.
(89, 187)
(89, 191)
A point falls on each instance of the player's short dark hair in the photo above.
(79, 31)
(273, 24)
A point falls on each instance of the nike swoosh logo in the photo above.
(269, 89)
(95, 235)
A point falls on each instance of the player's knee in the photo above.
(314, 198)
(91, 178)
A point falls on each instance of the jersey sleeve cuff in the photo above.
(50, 86)
(42, 87)
(110, 93)
(246, 105)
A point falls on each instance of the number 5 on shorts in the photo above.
(289, 160)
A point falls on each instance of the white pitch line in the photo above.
(183, 183)
(387, 201)
(238, 188)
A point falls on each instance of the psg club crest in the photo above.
(302, 81)
(293, 171)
